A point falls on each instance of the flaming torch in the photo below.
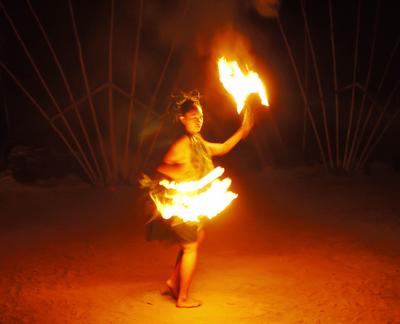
(192, 200)
(240, 84)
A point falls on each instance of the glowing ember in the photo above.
(240, 85)
(192, 200)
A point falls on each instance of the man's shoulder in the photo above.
(179, 150)
(181, 143)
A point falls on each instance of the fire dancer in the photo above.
(189, 159)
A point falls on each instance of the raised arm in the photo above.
(223, 148)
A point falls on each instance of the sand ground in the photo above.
(297, 246)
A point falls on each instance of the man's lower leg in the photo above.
(188, 264)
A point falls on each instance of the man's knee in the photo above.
(190, 247)
(200, 236)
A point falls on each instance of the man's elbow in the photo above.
(222, 149)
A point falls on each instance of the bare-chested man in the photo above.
(189, 158)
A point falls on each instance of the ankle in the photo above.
(171, 282)
(182, 297)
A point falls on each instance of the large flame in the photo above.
(240, 85)
(192, 200)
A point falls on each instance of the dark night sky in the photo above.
(209, 29)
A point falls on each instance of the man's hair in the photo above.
(187, 106)
(183, 102)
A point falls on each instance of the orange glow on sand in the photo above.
(240, 84)
(192, 200)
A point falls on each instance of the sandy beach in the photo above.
(297, 246)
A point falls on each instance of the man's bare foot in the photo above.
(172, 288)
(188, 303)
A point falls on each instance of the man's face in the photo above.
(193, 120)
